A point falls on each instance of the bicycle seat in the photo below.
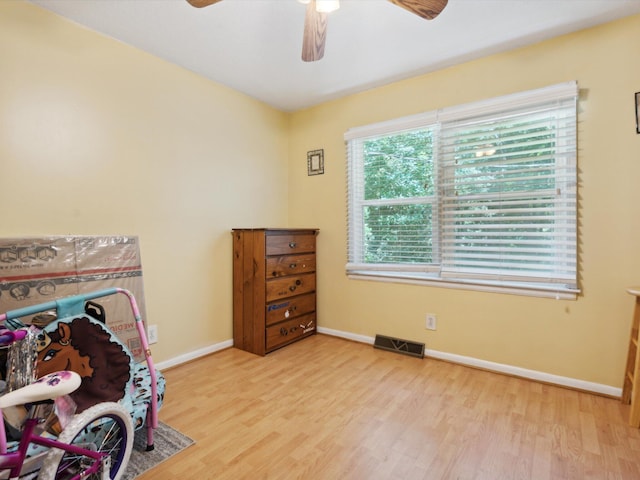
(48, 387)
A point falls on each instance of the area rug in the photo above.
(167, 441)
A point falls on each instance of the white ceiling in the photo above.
(254, 46)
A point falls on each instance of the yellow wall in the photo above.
(584, 339)
(100, 138)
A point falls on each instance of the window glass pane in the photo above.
(399, 165)
(398, 234)
(503, 155)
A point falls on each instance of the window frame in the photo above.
(433, 274)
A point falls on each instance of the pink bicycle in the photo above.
(99, 392)
(96, 444)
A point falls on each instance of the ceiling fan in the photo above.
(315, 22)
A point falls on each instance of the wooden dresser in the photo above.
(274, 287)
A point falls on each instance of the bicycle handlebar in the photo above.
(7, 337)
(75, 300)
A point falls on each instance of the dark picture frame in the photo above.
(315, 162)
(637, 112)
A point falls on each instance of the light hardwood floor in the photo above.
(330, 409)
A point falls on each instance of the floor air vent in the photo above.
(398, 345)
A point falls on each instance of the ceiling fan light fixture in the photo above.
(327, 6)
(315, 20)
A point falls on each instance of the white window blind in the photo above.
(483, 193)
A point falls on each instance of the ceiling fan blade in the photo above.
(315, 33)
(428, 9)
(202, 3)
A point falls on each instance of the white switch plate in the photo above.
(152, 334)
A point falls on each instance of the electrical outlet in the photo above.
(152, 334)
(431, 321)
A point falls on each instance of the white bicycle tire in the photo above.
(78, 423)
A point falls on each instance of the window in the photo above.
(477, 196)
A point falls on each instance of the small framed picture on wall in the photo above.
(637, 112)
(315, 162)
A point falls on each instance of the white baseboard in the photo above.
(187, 357)
(495, 367)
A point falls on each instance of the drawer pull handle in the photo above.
(274, 273)
(284, 332)
(290, 311)
(292, 244)
(293, 265)
(293, 287)
(293, 329)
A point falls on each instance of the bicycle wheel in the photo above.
(105, 427)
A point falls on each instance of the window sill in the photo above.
(558, 292)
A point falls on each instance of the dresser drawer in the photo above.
(290, 243)
(289, 286)
(290, 265)
(286, 332)
(290, 307)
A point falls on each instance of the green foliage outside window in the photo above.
(399, 167)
